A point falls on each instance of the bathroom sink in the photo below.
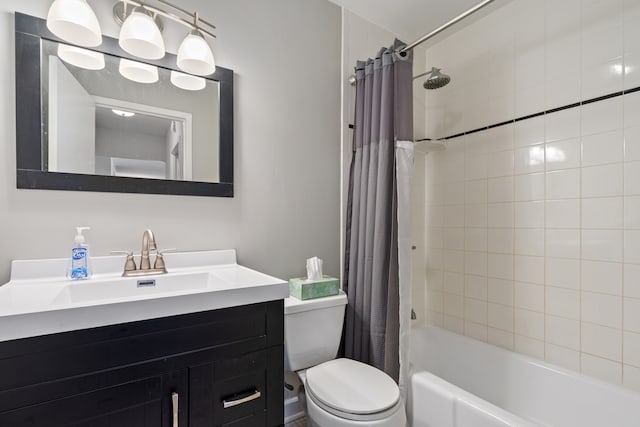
(39, 300)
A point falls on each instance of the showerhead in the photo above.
(436, 80)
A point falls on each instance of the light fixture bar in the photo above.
(174, 17)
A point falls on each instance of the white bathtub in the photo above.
(460, 382)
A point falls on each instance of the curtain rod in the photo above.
(404, 50)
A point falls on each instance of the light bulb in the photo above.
(140, 36)
(80, 57)
(74, 21)
(187, 81)
(195, 56)
(137, 71)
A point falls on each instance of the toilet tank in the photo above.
(312, 330)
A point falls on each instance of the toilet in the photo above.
(338, 392)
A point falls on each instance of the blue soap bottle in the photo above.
(79, 265)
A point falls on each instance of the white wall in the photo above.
(534, 227)
(132, 145)
(286, 56)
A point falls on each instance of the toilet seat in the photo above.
(353, 390)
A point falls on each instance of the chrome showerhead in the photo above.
(436, 80)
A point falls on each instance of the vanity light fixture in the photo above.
(137, 71)
(80, 57)
(75, 22)
(195, 56)
(187, 81)
(140, 35)
(122, 113)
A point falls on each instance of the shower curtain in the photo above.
(377, 253)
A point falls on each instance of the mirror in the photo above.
(108, 126)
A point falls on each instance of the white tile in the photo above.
(528, 100)
(563, 243)
(529, 269)
(603, 148)
(632, 141)
(529, 214)
(475, 310)
(529, 296)
(475, 263)
(602, 309)
(562, 89)
(563, 124)
(562, 302)
(454, 193)
(529, 241)
(563, 213)
(564, 332)
(561, 356)
(632, 246)
(475, 167)
(475, 330)
(631, 314)
(529, 132)
(500, 189)
(529, 187)
(500, 214)
(632, 212)
(475, 239)
(632, 280)
(605, 212)
(632, 178)
(631, 348)
(453, 283)
(501, 317)
(475, 192)
(602, 181)
(563, 154)
(475, 215)
(631, 77)
(435, 301)
(453, 261)
(454, 216)
(500, 240)
(529, 346)
(631, 109)
(453, 324)
(500, 164)
(453, 305)
(453, 238)
(529, 323)
(603, 369)
(631, 377)
(529, 159)
(602, 78)
(603, 277)
(501, 338)
(602, 245)
(602, 341)
(564, 184)
(602, 116)
(500, 291)
(500, 266)
(563, 272)
(602, 34)
(475, 287)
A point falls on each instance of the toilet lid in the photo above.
(352, 387)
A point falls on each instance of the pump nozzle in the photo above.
(79, 237)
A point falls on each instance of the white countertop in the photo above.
(39, 300)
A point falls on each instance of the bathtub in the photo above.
(460, 382)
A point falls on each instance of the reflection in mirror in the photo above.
(104, 115)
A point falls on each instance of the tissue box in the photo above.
(302, 288)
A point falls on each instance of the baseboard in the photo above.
(292, 409)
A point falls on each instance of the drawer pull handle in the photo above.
(239, 401)
(174, 404)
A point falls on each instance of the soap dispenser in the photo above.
(79, 264)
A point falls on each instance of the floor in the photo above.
(300, 422)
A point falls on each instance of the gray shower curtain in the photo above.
(383, 116)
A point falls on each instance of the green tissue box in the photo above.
(302, 288)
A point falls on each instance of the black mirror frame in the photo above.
(29, 31)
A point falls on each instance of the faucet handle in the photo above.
(159, 263)
(130, 264)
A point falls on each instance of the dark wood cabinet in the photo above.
(222, 367)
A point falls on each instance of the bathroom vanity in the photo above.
(96, 358)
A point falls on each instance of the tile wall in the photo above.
(533, 228)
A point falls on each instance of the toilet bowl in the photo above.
(338, 392)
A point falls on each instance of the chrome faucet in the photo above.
(148, 245)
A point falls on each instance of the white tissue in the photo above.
(314, 268)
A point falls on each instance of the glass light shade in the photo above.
(187, 81)
(75, 22)
(82, 58)
(138, 72)
(195, 56)
(140, 36)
